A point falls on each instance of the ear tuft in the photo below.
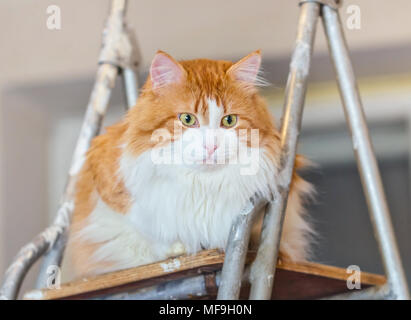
(165, 70)
(247, 70)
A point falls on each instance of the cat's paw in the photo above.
(177, 249)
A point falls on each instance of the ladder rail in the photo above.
(261, 279)
(130, 84)
(117, 53)
(54, 236)
(364, 153)
(237, 248)
(263, 268)
(96, 109)
(381, 292)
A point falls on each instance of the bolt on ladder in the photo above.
(120, 56)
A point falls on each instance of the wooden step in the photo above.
(292, 281)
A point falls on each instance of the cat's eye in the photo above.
(188, 119)
(229, 121)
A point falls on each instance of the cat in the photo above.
(168, 179)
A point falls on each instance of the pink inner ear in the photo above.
(247, 70)
(164, 71)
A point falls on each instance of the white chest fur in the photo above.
(171, 205)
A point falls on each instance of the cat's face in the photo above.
(201, 114)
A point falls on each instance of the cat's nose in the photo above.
(210, 149)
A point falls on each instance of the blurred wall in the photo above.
(46, 75)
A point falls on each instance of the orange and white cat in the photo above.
(169, 178)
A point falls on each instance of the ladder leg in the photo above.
(110, 61)
(53, 257)
(119, 51)
(366, 161)
(130, 69)
(55, 235)
(263, 268)
(236, 251)
(105, 80)
(130, 84)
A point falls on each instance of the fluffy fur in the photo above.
(132, 207)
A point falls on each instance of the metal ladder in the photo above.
(120, 57)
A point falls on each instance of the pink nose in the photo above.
(210, 149)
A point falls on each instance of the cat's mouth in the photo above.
(211, 160)
(208, 163)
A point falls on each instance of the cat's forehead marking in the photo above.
(215, 113)
(197, 105)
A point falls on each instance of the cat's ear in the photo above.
(247, 69)
(165, 70)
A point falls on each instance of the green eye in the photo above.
(229, 121)
(187, 119)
